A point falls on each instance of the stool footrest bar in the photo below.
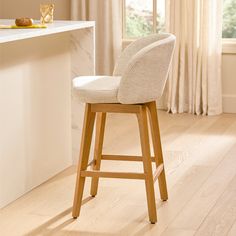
(124, 158)
(115, 108)
(116, 175)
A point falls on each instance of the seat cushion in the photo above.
(97, 89)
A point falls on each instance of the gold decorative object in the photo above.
(46, 11)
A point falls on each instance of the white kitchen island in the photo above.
(36, 69)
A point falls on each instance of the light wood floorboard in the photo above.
(222, 215)
(199, 155)
(232, 231)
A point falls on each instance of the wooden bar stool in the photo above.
(138, 81)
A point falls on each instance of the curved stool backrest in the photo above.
(144, 67)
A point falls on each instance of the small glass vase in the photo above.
(47, 11)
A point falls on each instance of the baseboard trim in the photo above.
(229, 103)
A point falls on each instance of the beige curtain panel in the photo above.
(107, 14)
(195, 77)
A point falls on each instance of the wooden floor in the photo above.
(200, 158)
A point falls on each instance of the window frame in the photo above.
(228, 45)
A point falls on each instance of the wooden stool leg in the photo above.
(89, 118)
(100, 128)
(147, 164)
(157, 148)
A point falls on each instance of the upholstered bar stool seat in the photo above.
(138, 81)
(97, 89)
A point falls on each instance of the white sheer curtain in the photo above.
(195, 77)
(107, 14)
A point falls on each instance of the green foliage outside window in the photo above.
(229, 19)
(139, 25)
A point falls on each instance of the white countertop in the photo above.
(9, 35)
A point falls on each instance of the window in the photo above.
(143, 17)
(229, 19)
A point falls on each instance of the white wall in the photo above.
(229, 82)
(30, 8)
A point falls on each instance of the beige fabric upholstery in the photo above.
(132, 49)
(144, 78)
(139, 76)
(97, 89)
